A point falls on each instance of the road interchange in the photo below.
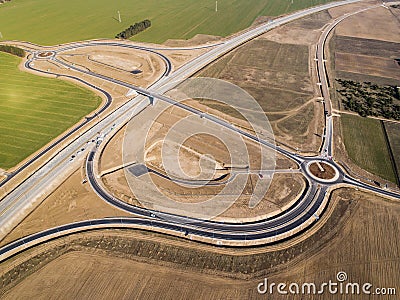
(303, 211)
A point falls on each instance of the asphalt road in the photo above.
(168, 68)
(324, 82)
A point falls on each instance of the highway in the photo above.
(294, 220)
(165, 84)
(168, 68)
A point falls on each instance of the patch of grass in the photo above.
(314, 21)
(378, 48)
(52, 22)
(274, 56)
(298, 124)
(276, 100)
(367, 78)
(365, 60)
(276, 75)
(34, 110)
(229, 110)
(365, 144)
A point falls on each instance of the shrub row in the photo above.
(134, 29)
(12, 50)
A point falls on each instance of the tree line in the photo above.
(134, 29)
(12, 50)
(369, 99)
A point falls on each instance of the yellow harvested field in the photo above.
(379, 24)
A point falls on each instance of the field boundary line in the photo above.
(389, 147)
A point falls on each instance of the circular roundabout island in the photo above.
(323, 171)
(45, 54)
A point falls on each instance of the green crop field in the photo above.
(50, 22)
(34, 110)
(365, 143)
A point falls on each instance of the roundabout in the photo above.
(45, 54)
